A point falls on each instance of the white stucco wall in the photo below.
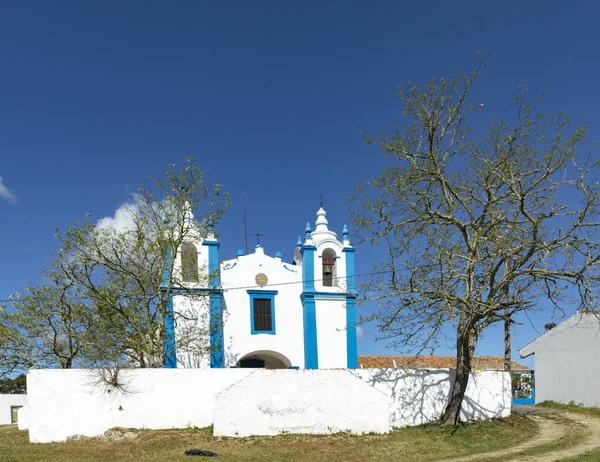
(301, 401)
(567, 361)
(419, 396)
(237, 276)
(64, 403)
(6, 401)
(331, 333)
(192, 332)
(24, 418)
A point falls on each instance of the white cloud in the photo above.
(123, 220)
(7, 194)
(359, 332)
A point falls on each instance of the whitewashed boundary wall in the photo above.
(419, 396)
(64, 403)
(8, 401)
(301, 401)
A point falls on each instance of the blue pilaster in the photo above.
(169, 347)
(351, 339)
(311, 356)
(311, 352)
(170, 352)
(216, 313)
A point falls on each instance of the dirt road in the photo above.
(585, 429)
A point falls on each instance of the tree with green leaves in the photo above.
(111, 284)
(474, 229)
(47, 326)
(15, 386)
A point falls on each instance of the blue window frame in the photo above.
(262, 311)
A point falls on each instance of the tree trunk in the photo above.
(465, 347)
(507, 346)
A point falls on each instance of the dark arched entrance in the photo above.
(264, 359)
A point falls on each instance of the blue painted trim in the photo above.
(240, 253)
(231, 267)
(213, 262)
(350, 274)
(169, 347)
(278, 255)
(183, 290)
(293, 367)
(216, 313)
(307, 230)
(351, 339)
(291, 270)
(166, 274)
(262, 294)
(311, 351)
(216, 331)
(523, 401)
(327, 295)
(308, 267)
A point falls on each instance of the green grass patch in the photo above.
(424, 443)
(593, 456)
(572, 406)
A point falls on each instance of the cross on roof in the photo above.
(257, 234)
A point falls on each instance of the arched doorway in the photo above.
(264, 359)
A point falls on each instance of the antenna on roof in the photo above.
(245, 223)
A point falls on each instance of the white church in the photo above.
(261, 311)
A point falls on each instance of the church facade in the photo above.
(260, 311)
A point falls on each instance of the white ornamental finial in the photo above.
(321, 223)
(188, 214)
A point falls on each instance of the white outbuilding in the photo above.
(567, 361)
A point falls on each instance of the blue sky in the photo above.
(269, 97)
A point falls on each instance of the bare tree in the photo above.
(464, 220)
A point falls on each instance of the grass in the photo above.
(572, 406)
(422, 443)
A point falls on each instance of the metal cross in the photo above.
(257, 234)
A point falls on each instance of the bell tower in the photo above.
(328, 298)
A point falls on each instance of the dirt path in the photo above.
(551, 429)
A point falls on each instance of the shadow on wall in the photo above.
(420, 396)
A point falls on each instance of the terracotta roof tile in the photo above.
(486, 363)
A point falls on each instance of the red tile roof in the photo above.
(485, 363)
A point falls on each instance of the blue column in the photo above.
(351, 340)
(170, 350)
(308, 267)
(216, 331)
(169, 347)
(216, 314)
(311, 354)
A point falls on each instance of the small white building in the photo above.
(9, 408)
(567, 361)
(261, 311)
